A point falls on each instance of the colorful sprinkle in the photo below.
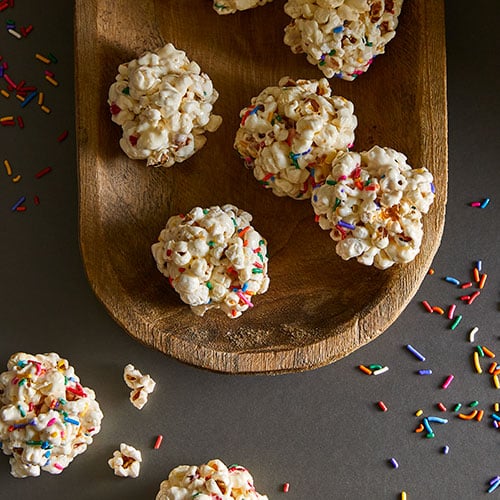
(419, 356)
(448, 381)
(158, 441)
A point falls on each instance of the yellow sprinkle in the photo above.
(361, 60)
(6, 118)
(497, 407)
(53, 435)
(17, 178)
(40, 98)
(496, 381)
(20, 97)
(7, 167)
(51, 80)
(42, 58)
(4, 93)
(477, 365)
(419, 412)
(403, 495)
(45, 109)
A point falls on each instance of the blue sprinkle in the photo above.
(346, 225)
(446, 449)
(494, 486)
(496, 417)
(29, 98)
(485, 203)
(71, 421)
(433, 188)
(450, 279)
(427, 426)
(315, 198)
(18, 203)
(338, 29)
(437, 420)
(244, 288)
(425, 372)
(415, 352)
(479, 265)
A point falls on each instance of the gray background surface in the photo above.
(321, 431)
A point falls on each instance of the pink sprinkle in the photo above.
(58, 466)
(451, 311)
(52, 421)
(447, 382)
(475, 204)
(244, 299)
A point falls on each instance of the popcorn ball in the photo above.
(47, 418)
(214, 259)
(208, 481)
(141, 385)
(232, 6)
(290, 134)
(126, 462)
(373, 203)
(341, 37)
(164, 104)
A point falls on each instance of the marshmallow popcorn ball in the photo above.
(164, 105)
(213, 480)
(214, 259)
(291, 132)
(372, 203)
(341, 37)
(232, 6)
(47, 418)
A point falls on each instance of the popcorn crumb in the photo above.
(141, 385)
(126, 462)
(232, 6)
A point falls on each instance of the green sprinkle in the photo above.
(21, 411)
(52, 57)
(22, 381)
(337, 203)
(480, 351)
(211, 243)
(62, 401)
(457, 407)
(235, 224)
(205, 211)
(375, 367)
(430, 435)
(369, 44)
(262, 242)
(322, 62)
(332, 52)
(256, 270)
(456, 322)
(126, 91)
(331, 183)
(34, 443)
(473, 404)
(209, 285)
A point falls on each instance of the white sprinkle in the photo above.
(473, 333)
(14, 33)
(381, 370)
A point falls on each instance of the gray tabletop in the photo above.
(320, 431)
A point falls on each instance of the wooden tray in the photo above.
(318, 308)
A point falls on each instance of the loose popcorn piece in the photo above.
(126, 462)
(290, 134)
(141, 385)
(373, 204)
(46, 416)
(164, 104)
(232, 6)
(209, 481)
(213, 258)
(341, 37)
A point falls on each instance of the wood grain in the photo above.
(318, 308)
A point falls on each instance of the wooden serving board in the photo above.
(318, 308)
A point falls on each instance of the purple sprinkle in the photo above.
(433, 188)
(346, 225)
(18, 203)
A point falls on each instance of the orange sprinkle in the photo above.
(51, 80)
(476, 275)
(4, 93)
(488, 353)
(364, 369)
(492, 367)
(8, 168)
(20, 97)
(430, 271)
(45, 109)
(40, 98)
(420, 428)
(469, 416)
(6, 119)
(42, 58)
(243, 231)
(438, 309)
(17, 178)
(482, 281)
(480, 415)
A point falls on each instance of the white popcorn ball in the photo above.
(214, 259)
(163, 103)
(126, 462)
(372, 203)
(141, 385)
(46, 417)
(232, 6)
(291, 132)
(341, 37)
(207, 481)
